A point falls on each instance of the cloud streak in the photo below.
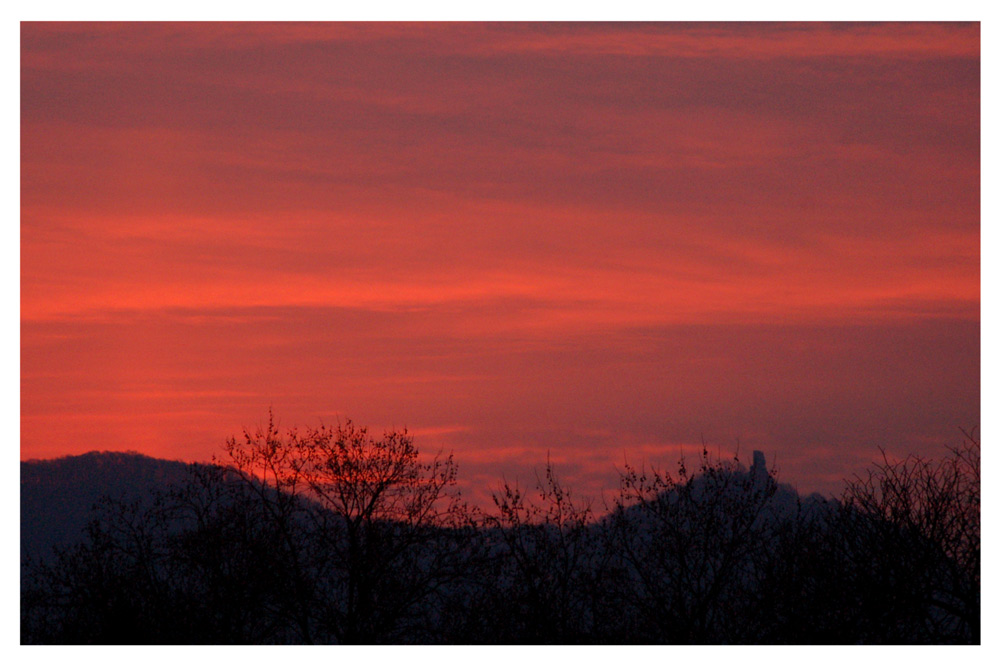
(583, 227)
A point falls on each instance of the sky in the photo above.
(591, 243)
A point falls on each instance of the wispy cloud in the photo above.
(657, 228)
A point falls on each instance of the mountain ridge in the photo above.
(57, 496)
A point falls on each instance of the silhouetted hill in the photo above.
(724, 555)
(58, 495)
(731, 484)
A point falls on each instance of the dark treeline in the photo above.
(336, 536)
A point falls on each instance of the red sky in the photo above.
(590, 241)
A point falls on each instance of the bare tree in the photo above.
(688, 544)
(336, 535)
(914, 529)
(200, 562)
(552, 564)
(384, 523)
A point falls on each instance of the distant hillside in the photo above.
(57, 496)
(732, 486)
(724, 555)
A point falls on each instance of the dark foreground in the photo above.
(339, 537)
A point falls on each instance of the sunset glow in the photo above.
(596, 242)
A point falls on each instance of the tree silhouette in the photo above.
(913, 534)
(552, 564)
(688, 545)
(386, 529)
(335, 535)
(198, 563)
